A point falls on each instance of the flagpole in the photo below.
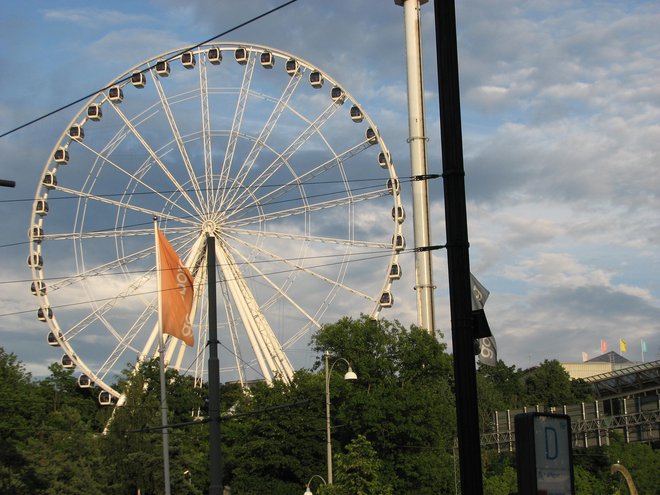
(161, 365)
(215, 474)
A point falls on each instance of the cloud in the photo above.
(94, 18)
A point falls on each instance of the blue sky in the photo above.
(561, 126)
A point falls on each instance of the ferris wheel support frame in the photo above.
(418, 164)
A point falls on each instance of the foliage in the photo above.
(548, 385)
(640, 459)
(402, 401)
(276, 438)
(359, 471)
(392, 430)
(134, 443)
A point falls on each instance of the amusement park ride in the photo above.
(258, 148)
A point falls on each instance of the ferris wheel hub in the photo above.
(210, 227)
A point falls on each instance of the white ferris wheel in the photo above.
(262, 150)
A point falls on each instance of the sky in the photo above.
(561, 135)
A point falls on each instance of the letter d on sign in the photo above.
(551, 447)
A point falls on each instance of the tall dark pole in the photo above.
(215, 475)
(458, 260)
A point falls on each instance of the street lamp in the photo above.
(308, 491)
(350, 375)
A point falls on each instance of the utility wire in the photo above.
(86, 97)
(271, 203)
(221, 418)
(402, 180)
(255, 262)
(81, 303)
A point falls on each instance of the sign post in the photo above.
(544, 454)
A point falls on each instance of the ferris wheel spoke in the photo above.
(134, 177)
(236, 124)
(264, 134)
(306, 208)
(278, 289)
(156, 159)
(297, 181)
(386, 247)
(102, 269)
(174, 128)
(282, 159)
(230, 318)
(207, 142)
(298, 267)
(96, 234)
(76, 328)
(126, 206)
(269, 352)
(125, 344)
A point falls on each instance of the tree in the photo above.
(548, 385)
(640, 459)
(133, 446)
(276, 439)
(402, 402)
(358, 471)
(21, 410)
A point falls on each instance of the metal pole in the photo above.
(161, 369)
(163, 417)
(458, 261)
(418, 164)
(328, 438)
(215, 474)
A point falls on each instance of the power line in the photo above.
(86, 97)
(255, 262)
(81, 303)
(401, 180)
(271, 203)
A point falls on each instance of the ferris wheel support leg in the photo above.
(418, 163)
(270, 355)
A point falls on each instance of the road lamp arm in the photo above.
(308, 491)
(350, 375)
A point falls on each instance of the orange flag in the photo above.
(176, 292)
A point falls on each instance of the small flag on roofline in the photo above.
(623, 347)
(585, 357)
(603, 346)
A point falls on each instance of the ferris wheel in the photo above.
(258, 148)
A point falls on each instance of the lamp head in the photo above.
(308, 491)
(350, 374)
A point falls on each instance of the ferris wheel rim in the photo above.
(148, 67)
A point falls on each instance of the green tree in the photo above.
(549, 384)
(358, 471)
(133, 446)
(65, 455)
(503, 483)
(640, 459)
(402, 401)
(275, 439)
(21, 410)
